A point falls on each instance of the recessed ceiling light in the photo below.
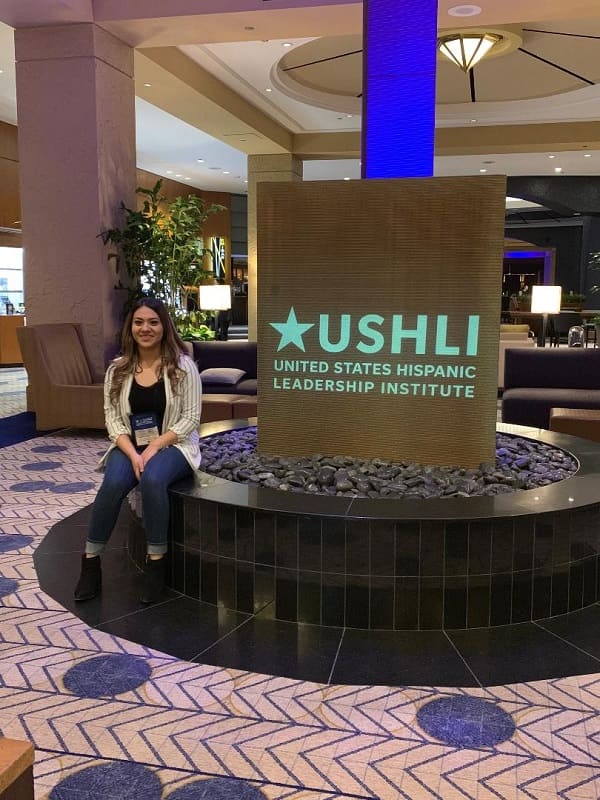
(148, 85)
(557, 169)
(245, 181)
(178, 175)
(287, 44)
(226, 172)
(587, 155)
(473, 120)
(349, 116)
(551, 156)
(483, 170)
(169, 172)
(346, 179)
(467, 10)
(200, 160)
(187, 178)
(268, 90)
(1, 71)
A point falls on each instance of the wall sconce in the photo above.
(217, 297)
(545, 300)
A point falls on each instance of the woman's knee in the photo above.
(152, 482)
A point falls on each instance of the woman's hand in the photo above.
(148, 453)
(137, 462)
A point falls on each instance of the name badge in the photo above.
(145, 428)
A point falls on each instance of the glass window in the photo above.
(11, 279)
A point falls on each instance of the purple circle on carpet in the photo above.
(466, 721)
(14, 541)
(107, 676)
(31, 486)
(41, 466)
(67, 488)
(217, 789)
(124, 780)
(48, 448)
(7, 586)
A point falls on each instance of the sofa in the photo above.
(228, 374)
(539, 379)
(226, 367)
(512, 336)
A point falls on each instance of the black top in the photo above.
(149, 399)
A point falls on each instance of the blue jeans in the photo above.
(163, 469)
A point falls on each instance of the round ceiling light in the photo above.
(467, 49)
(464, 11)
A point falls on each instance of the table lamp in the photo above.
(545, 300)
(217, 297)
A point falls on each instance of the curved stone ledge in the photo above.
(390, 564)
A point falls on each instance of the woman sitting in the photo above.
(152, 404)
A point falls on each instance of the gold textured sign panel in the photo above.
(378, 318)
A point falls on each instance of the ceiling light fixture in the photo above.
(483, 170)
(557, 169)
(587, 155)
(287, 44)
(467, 49)
(467, 10)
(148, 85)
(551, 156)
(200, 160)
(268, 90)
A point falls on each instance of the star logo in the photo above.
(291, 331)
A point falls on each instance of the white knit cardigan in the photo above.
(182, 410)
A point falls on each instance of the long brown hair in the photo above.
(171, 348)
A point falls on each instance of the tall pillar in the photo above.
(284, 167)
(398, 119)
(76, 112)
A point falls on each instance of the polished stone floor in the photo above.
(199, 632)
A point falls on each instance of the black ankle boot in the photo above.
(90, 580)
(154, 580)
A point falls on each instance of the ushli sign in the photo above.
(378, 318)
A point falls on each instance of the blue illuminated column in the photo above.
(398, 122)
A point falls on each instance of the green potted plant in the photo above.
(572, 301)
(159, 251)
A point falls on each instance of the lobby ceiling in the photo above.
(230, 82)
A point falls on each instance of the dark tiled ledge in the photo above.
(439, 564)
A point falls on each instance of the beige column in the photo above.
(76, 112)
(285, 167)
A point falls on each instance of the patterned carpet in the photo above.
(112, 719)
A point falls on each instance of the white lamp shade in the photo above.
(545, 299)
(215, 298)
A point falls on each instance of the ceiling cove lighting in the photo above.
(467, 49)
